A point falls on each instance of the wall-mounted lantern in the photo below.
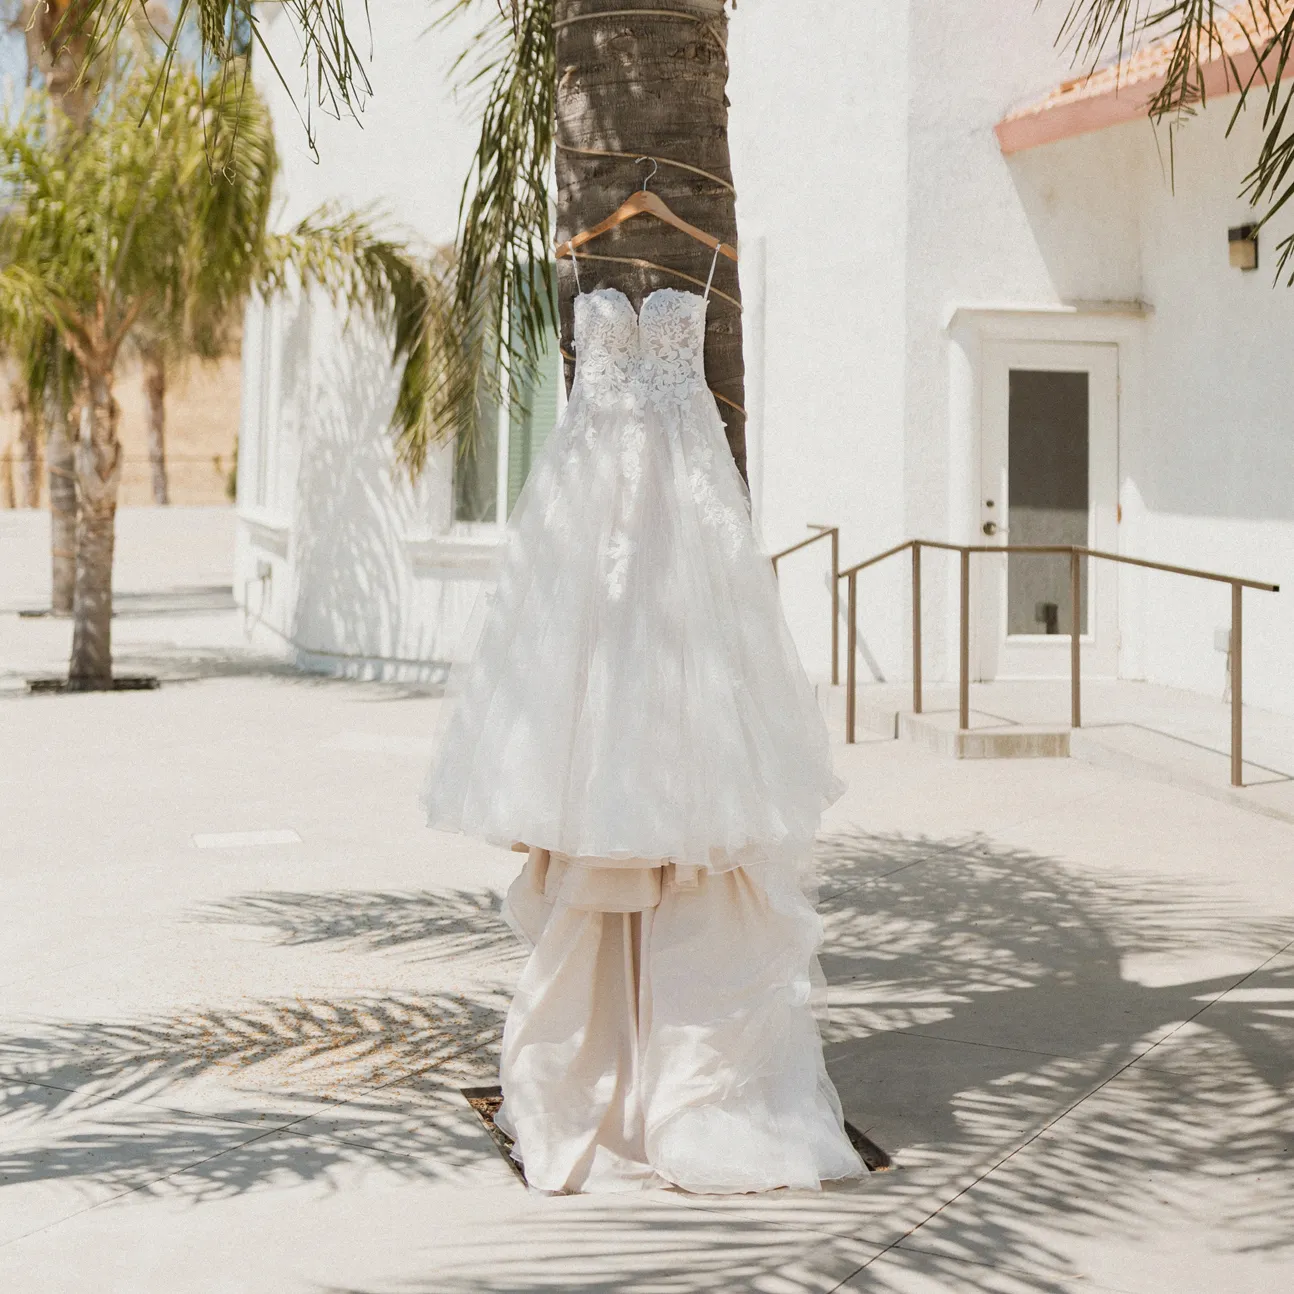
(1242, 244)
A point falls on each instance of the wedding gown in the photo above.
(635, 713)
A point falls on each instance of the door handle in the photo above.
(989, 527)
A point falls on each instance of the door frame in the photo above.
(972, 329)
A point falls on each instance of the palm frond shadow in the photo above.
(214, 1102)
(1060, 981)
(930, 942)
(444, 924)
(980, 992)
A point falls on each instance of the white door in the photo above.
(1048, 475)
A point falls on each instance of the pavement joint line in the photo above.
(863, 1238)
(992, 1046)
(142, 949)
(35, 1082)
(865, 881)
(1064, 1114)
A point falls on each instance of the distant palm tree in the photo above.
(59, 46)
(157, 217)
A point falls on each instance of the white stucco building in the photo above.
(963, 283)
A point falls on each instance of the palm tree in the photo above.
(58, 43)
(28, 496)
(597, 86)
(158, 215)
(605, 109)
(651, 84)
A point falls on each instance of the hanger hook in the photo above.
(655, 166)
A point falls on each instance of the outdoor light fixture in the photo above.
(1242, 243)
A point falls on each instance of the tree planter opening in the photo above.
(487, 1100)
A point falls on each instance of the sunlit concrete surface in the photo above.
(1061, 994)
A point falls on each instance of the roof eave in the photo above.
(1114, 107)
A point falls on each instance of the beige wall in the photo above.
(202, 426)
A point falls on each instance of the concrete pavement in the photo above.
(1062, 996)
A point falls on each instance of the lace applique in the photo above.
(714, 512)
(606, 344)
(632, 441)
(672, 334)
(620, 548)
(652, 361)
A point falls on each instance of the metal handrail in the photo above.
(834, 533)
(1076, 554)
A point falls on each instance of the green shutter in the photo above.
(534, 415)
(476, 470)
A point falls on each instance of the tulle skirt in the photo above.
(634, 693)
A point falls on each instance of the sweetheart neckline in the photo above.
(624, 296)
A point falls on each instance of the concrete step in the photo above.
(1155, 733)
(990, 736)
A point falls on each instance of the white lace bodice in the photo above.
(655, 355)
(640, 397)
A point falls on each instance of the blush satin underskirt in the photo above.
(663, 1033)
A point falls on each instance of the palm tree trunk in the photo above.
(57, 46)
(29, 440)
(155, 398)
(60, 467)
(8, 498)
(651, 84)
(98, 475)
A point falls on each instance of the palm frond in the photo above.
(504, 305)
(359, 266)
(1253, 41)
(331, 75)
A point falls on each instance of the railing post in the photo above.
(835, 606)
(1237, 678)
(916, 626)
(963, 671)
(851, 646)
(1075, 641)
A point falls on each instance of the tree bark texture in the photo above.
(29, 445)
(8, 496)
(650, 84)
(155, 399)
(98, 476)
(57, 45)
(60, 467)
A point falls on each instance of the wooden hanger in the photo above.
(644, 203)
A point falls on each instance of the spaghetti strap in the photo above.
(575, 262)
(710, 279)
